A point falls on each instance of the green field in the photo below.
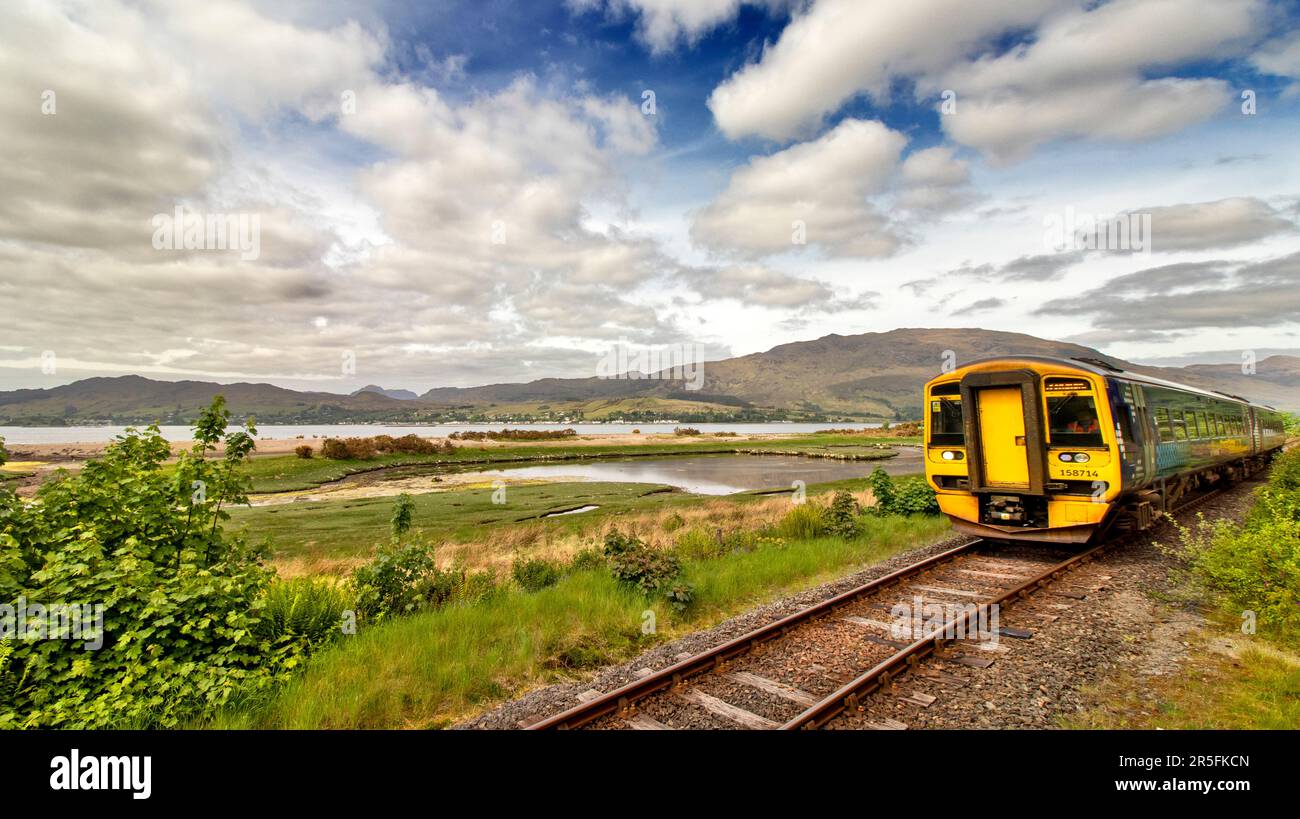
(286, 473)
(431, 669)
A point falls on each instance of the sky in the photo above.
(423, 194)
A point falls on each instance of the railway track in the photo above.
(803, 670)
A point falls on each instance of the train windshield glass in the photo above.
(946, 428)
(1073, 421)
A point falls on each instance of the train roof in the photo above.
(1097, 366)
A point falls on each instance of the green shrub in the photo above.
(182, 601)
(841, 516)
(303, 451)
(635, 564)
(803, 522)
(673, 522)
(535, 574)
(403, 509)
(396, 581)
(680, 595)
(303, 609)
(905, 496)
(1257, 564)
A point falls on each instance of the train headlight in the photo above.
(1081, 457)
(949, 455)
(1066, 456)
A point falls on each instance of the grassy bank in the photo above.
(434, 668)
(285, 473)
(1243, 668)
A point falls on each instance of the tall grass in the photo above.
(436, 667)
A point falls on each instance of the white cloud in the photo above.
(1084, 76)
(665, 24)
(825, 184)
(837, 49)
(1225, 223)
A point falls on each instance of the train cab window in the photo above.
(1073, 421)
(1163, 427)
(946, 425)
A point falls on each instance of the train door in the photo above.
(1003, 451)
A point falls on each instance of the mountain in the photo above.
(867, 376)
(401, 395)
(133, 399)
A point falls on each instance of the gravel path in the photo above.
(1111, 625)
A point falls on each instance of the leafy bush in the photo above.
(803, 522)
(841, 517)
(535, 574)
(673, 522)
(683, 431)
(181, 600)
(4, 454)
(652, 571)
(403, 509)
(303, 451)
(1257, 564)
(906, 496)
(398, 580)
(305, 610)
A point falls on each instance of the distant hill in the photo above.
(401, 395)
(857, 377)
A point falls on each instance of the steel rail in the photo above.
(849, 695)
(620, 698)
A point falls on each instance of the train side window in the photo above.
(1203, 425)
(1193, 432)
(1163, 427)
(1073, 421)
(1180, 424)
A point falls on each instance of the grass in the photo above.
(286, 473)
(331, 537)
(432, 669)
(1229, 682)
(351, 528)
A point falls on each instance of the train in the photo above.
(1072, 451)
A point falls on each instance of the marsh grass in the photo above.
(434, 668)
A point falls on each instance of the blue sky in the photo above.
(470, 192)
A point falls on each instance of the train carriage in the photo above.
(1066, 450)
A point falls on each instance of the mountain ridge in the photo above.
(874, 375)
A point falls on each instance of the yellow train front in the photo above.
(1068, 450)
